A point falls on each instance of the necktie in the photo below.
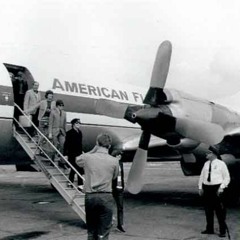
(119, 179)
(60, 113)
(209, 172)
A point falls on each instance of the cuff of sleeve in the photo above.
(222, 186)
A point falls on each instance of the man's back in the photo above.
(100, 169)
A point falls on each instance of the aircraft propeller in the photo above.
(155, 118)
(134, 182)
(154, 97)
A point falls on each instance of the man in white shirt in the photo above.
(213, 181)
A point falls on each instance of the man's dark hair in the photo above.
(59, 102)
(215, 151)
(75, 120)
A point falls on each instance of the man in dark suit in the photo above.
(20, 86)
(118, 191)
(73, 148)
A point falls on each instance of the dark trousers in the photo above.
(99, 212)
(118, 197)
(72, 173)
(213, 202)
(31, 130)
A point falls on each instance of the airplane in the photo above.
(189, 125)
(158, 125)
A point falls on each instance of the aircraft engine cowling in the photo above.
(193, 159)
(158, 96)
(173, 140)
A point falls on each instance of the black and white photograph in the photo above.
(119, 119)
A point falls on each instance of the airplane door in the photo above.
(6, 94)
(10, 150)
(19, 90)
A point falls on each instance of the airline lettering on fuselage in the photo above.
(97, 91)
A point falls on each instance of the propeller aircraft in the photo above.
(165, 125)
(187, 124)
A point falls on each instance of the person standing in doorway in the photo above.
(100, 169)
(20, 86)
(213, 181)
(73, 148)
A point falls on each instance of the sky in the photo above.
(118, 39)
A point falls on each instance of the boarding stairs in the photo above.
(43, 162)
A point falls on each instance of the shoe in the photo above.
(41, 154)
(222, 235)
(80, 188)
(120, 228)
(207, 232)
(57, 159)
(62, 165)
(69, 185)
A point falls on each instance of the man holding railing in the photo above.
(73, 148)
(31, 99)
(57, 126)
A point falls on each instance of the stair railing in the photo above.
(49, 142)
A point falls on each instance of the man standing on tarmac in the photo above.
(118, 191)
(213, 180)
(100, 169)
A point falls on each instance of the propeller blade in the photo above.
(135, 181)
(110, 108)
(155, 94)
(161, 65)
(209, 133)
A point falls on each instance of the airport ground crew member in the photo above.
(213, 180)
(118, 193)
(100, 169)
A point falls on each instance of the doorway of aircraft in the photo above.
(22, 80)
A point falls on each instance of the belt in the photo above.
(98, 192)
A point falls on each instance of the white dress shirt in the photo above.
(219, 174)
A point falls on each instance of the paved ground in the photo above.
(168, 208)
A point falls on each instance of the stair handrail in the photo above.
(42, 135)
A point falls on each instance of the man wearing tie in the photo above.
(118, 191)
(213, 180)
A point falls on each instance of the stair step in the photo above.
(63, 181)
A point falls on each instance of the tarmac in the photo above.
(168, 208)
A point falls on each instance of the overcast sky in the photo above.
(118, 39)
